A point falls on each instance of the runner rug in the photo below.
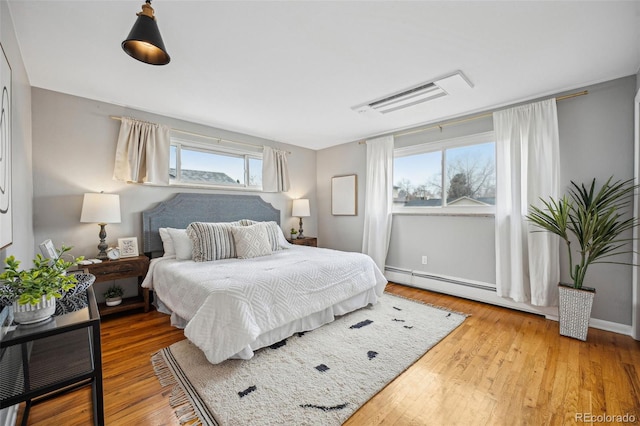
(319, 377)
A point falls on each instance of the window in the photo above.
(458, 175)
(194, 163)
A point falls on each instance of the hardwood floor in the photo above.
(500, 367)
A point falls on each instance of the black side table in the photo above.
(43, 360)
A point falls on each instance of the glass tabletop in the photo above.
(77, 315)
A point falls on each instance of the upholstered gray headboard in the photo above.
(182, 209)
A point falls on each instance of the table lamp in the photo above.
(300, 209)
(101, 208)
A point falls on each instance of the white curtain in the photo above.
(379, 199)
(527, 163)
(275, 170)
(142, 154)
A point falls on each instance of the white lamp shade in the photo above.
(100, 208)
(300, 208)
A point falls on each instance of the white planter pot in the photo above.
(114, 301)
(574, 311)
(29, 314)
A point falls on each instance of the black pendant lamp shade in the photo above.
(144, 42)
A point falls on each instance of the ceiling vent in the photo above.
(444, 86)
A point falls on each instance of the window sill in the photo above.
(444, 212)
(211, 187)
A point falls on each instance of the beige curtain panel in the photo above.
(142, 154)
(275, 170)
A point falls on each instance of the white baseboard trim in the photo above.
(9, 415)
(406, 277)
(611, 326)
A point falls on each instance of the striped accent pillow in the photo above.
(272, 228)
(251, 241)
(212, 241)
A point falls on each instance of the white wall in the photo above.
(596, 140)
(74, 143)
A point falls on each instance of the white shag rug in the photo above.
(320, 377)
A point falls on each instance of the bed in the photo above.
(231, 306)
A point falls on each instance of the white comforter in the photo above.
(229, 303)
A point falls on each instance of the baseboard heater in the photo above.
(483, 292)
(450, 280)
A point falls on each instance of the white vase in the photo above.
(29, 314)
(113, 301)
(574, 311)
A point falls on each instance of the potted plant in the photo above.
(113, 295)
(594, 219)
(33, 292)
(294, 234)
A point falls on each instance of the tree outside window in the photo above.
(466, 174)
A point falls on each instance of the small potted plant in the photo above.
(294, 234)
(113, 295)
(594, 219)
(33, 292)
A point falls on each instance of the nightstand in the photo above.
(55, 356)
(128, 267)
(306, 241)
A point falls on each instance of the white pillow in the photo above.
(212, 240)
(274, 232)
(251, 241)
(181, 243)
(282, 240)
(167, 242)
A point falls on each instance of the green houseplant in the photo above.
(37, 287)
(113, 295)
(595, 220)
(294, 234)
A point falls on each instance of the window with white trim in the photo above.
(453, 176)
(193, 163)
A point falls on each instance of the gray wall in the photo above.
(596, 140)
(21, 174)
(74, 143)
(340, 232)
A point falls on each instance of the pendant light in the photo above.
(144, 42)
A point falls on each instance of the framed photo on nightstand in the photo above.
(128, 247)
(48, 250)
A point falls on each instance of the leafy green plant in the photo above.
(293, 231)
(47, 277)
(113, 292)
(593, 218)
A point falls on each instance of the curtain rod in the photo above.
(473, 117)
(185, 132)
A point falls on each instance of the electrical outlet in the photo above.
(424, 260)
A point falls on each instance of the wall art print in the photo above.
(6, 217)
(344, 195)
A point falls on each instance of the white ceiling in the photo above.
(291, 71)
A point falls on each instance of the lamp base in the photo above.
(300, 234)
(103, 246)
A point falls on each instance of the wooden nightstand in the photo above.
(306, 241)
(129, 267)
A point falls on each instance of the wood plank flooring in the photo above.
(500, 367)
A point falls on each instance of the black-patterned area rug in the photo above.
(319, 377)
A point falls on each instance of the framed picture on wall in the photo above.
(344, 195)
(128, 247)
(6, 207)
